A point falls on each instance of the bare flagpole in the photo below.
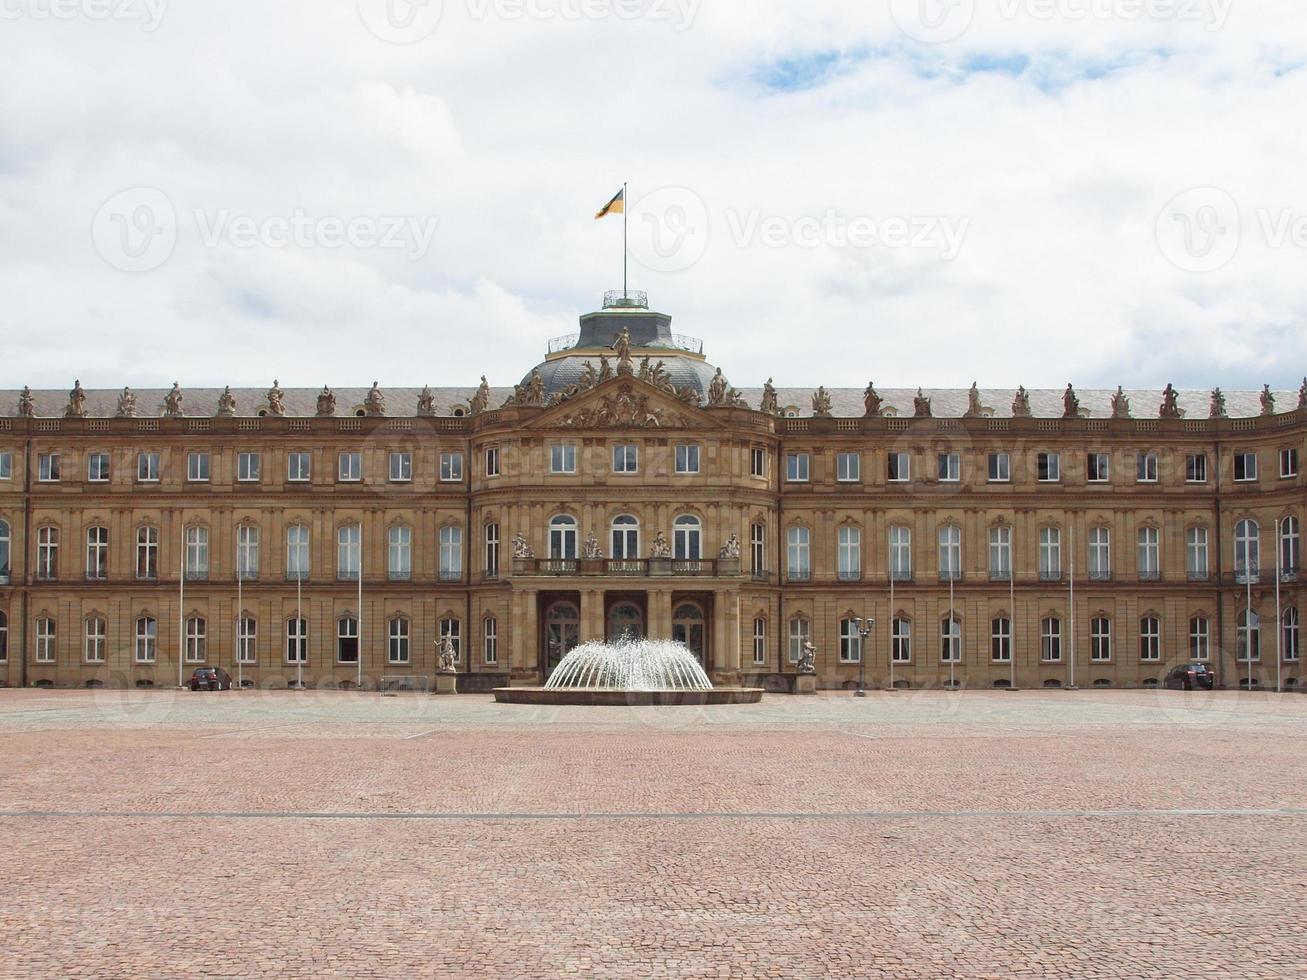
(299, 629)
(1012, 623)
(360, 672)
(240, 604)
(181, 610)
(892, 614)
(1279, 623)
(625, 254)
(1071, 585)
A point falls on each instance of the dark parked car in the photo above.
(1186, 677)
(210, 679)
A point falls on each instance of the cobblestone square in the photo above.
(919, 834)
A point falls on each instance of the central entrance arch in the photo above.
(562, 622)
(625, 621)
(688, 627)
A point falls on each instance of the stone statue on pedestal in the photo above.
(326, 403)
(26, 404)
(660, 549)
(731, 549)
(227, 403)
(448, 656)
(808, 658)
(76, 402)
(520, 547)
(276, 400)
(172, 402)
(126, 405)
(375, 403)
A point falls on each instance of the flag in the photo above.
(616, 206)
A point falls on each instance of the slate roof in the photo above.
(845, 402)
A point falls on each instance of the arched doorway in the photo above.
(562, 633)
(688, 627)
(625, 619)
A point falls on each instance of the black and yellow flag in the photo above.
(616, 206)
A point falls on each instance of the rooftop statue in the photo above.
(26, 406)
(276, 400)
(227, 402)
(479, 402)
(769, 405)
(535, 390)
(717, 389)
(1170, 404)
(1021, 404)
(375, 403)
(126, 405)
(1070, 404)
(326, 403)
(172, 402)
(1120, 404)
(426, 401)
(76, 402)
(1302, 394)
(1268, 401)
(623, 348)
(1218, 405)
(872, 401)
(921, 405)
(605, 369)
(975, 409)
(821, 404)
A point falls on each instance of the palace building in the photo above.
(1030, 538)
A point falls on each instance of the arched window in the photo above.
(562, 633)
(1000, 553)
(625, 538)
(1247, 548)
(1100, 553)
(562, 538)
(625, 621)
(687, 536)
(901, 640)
(1150, 554)
(1290, 548)
(147, 639)
(798, 567)
(688, 627)
(950, 636)
(147, 553)
(451, 553)
(1050, 554)
(47, 553)
(1050, 639)
(800, 633)
(97, 553)
(4, 552)
(347, 640)
(850, 642)
(197, 554)
(399, 553)
(349, 552)
(197, 640)
(1249, 636)
(1196, 557)
(397, 644)
(297, 553)
(94, 641)
(1289, 637)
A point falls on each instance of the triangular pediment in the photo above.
(624, 402)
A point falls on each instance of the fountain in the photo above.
(629, 671)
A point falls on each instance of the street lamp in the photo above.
(865, 627)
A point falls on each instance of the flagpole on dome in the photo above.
(626, 256)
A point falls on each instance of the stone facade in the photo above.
(429, 498)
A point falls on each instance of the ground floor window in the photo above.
(759, 642)
(347, 640)
(490, 640)
(297, 641)
(1000, 640)
(245, 646)
(453, 629)
(197, 640)
(95, 640)
(45, 640)
(1050, 640)
(800, 633)
(901, 641)
(147, 639)
(850, 642)
(397, 646)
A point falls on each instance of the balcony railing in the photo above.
(1000, 574)
(1099, 575)
(628, 567)
(1194, 575)
(798, 575)
(950, 575)
(850, 575)
(901, 575)
(1150, 575)
(1050, 575)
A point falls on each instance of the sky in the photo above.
(915, 192)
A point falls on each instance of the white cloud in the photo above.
(1057, 139)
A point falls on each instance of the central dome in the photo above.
(651, 336)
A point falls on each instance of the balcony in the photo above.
(1150, 575)
(1196, 575)
(947, 575)
(451, 575)
(850, 575)
(1000, 575)
(798, 575)
(1050, 575)
(1100, 575)
(901, 576)
(628, 567)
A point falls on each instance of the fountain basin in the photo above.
(621, 698)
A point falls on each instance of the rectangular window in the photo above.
(900, 554)
(758, 462)
(6, 466)
(1146, 468)
(97, 468)
(899, 469)
(45, 641)
(451, 467)
(453, 630)
(1000, 640)
(850, 642)
(297, 641)
(950, 637)
(1100, 554)
(1197, 567)
(147, 467)
(246, 647)
(797, 550)
(1050, 467)
(848, 467)
(492, 461)
(147, 553)
(97, 554)
(759, 642)
(1200, 639)
(1288, 464)
(1050, 554)
(347, 640)
(490, 641)
(626, 459)
(47, 554)
(147, 640)
(1245, 467)
(1050, 640)
(197, 467)
(451, 554)
(399, 553)
(950, 554)
(492, 551)
(687, 458)
(1098, 468)
(247, 552)
(949, 467)
(299, 467)
(1000, 468)
(758, 550)
(796, 467)
(400, 467)
(1150, 555)
(1150, 639)
(1100, 639)
(349, 467)
(1195, 468)
(901, 641)
(562, 458)
(1000, 554)
(47, 467)
(850, 554)
(93, 649)
(197, 554)
(297, 552)
(349, 541)
(197, 640)
(397, 641)
(249, 467)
